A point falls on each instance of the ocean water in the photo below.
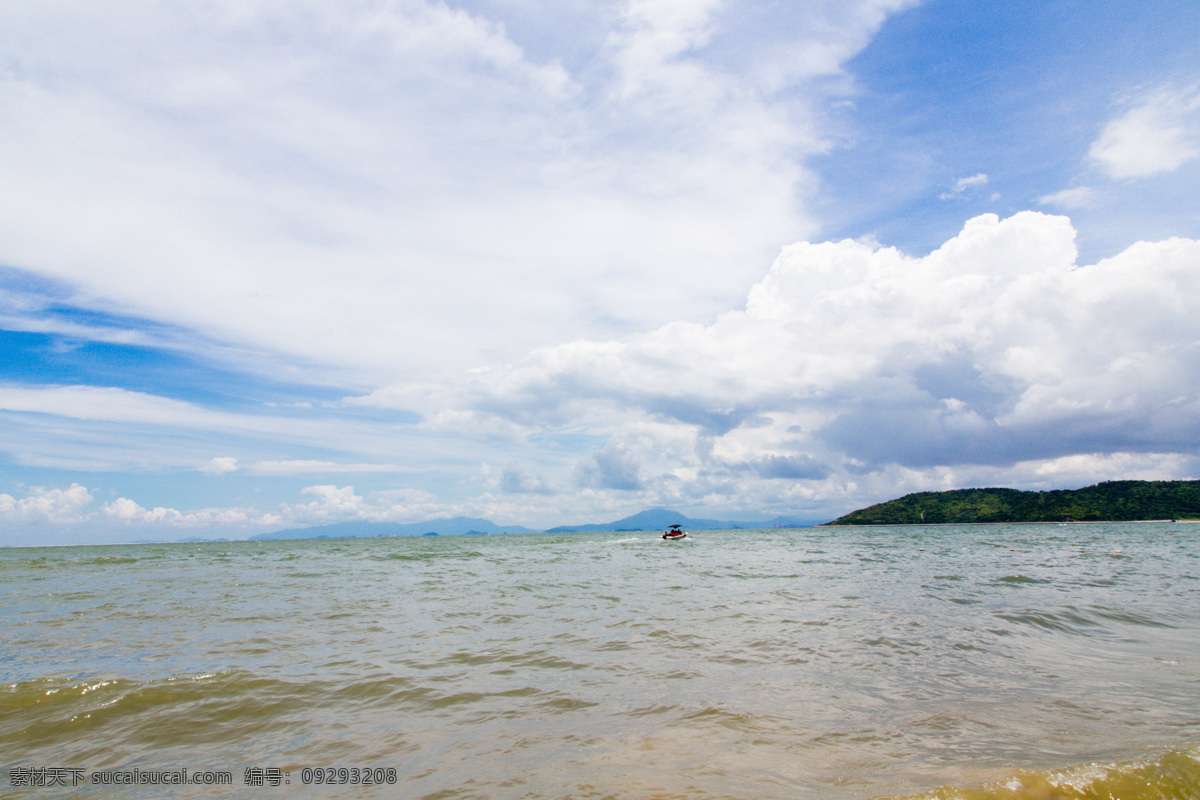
(997, 661)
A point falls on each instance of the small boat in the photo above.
(674, 532)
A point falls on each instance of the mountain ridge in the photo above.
(1109, 501)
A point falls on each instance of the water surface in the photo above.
(1005, 661)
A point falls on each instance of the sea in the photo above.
(975, 662)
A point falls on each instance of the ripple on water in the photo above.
(828, 663)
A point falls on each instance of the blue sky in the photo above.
(276, 264)
(1018, 92)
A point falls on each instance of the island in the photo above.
(1110, 501)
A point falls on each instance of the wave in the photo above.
(1172, 775)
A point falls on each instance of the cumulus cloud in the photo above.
(53, 515)
(26, 519)
(221, 465)
(328, 503)
(1159, 132)
(127, 511)
(996, 349)
(47, 505)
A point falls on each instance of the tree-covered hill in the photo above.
(1108, 501)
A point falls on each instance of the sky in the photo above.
(278, 263)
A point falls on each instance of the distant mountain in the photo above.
(654, 519)
(364, 528)
(1112, 501)
(657, 519)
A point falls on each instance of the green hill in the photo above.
(1109, 501)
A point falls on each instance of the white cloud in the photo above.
(331, 504)
(453, 422)
(221, 465)
(1158, 133)
(995, 349)
(25, 518)
(106, 428)
(1078, 470)
(1070, 199)
(614, 467)
(407, 188)
(963, 184)
(515, 480)
(124, 510)
(108, 404)
(654, 36)
(71, 506)
(47, 505)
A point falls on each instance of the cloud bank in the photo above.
(851, 359)
(853, 373)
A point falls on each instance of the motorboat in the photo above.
(674, 532)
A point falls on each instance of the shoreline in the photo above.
(1020, 522)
